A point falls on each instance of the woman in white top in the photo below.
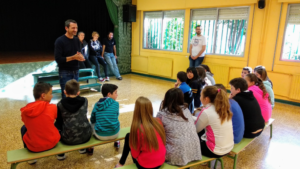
(215, 119)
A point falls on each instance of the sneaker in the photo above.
(31, 162)
(107, 79)
(119, 78)
(90, 151)
(101, 79)
(117, 144)
(61, 156)
(82, 151)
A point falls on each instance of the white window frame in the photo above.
(215, 31)
(285, 30)
(162, 26)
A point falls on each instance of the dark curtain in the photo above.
(34, 25)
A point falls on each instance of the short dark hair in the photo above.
(239, 83)
(182, 76)
(197, 26)
(110, 32)
(108, 88)
(221, 86)
(72, 87)
(67, 22)
(206, 68)
(40, 88)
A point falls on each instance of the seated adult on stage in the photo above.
(110, 54)
(67, 54)
(84, 51)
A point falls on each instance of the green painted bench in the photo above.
(15, 157)
(191, 164)
(84, 75)
(245, 142)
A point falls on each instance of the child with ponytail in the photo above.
(261, 73)
(215, 119)
(260, 93)
(147, 138)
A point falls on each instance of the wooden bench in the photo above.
(15, 157)
(84, 75)
(191, 164)
(245, 142)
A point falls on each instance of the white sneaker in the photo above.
(83, 151)
(107, 79)
(31, 162)
(61, 156)
(101, 79)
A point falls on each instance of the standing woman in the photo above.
(261, 73)
(214, 125)
(95, 56)
(182, 143)
(84, 51)
(147, 138)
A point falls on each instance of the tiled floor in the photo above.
(279, 152)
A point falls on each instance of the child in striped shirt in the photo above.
(105, 115)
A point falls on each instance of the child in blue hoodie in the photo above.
(105, 115)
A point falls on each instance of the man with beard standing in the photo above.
(67, 54)
(197, 48)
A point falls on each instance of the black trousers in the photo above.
(125, 153)
(204, 149)
(85, 64)
(96, 60)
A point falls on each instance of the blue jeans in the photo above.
(64, 76)
(111, 61)
(197, 62)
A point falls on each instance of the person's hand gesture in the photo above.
(78, 56)
(116, 56)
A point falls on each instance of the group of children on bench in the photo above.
(177, 135)
(46, 124)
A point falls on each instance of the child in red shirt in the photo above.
(147, 150)
(38, 132)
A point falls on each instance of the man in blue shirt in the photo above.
(110, 54)
(67, 54)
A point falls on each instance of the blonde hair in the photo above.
(145, 124)
(219, 98)
(95, 33)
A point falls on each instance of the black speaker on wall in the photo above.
(261, 4)
(129, 13)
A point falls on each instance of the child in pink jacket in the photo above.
(260, 93)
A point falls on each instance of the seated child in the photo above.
(146, 144)
(214, 125)
(194, 83)
(186, 90)
(209, 74)
(254, 122)
(38, 132)
(245, 71)
(203, 77)
(105, 115)
(237, 118)
(260, 93)
(72, 121)
(182, 142)
(261, 73)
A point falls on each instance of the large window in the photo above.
(163, 30)
(291, 43)
(224, 28)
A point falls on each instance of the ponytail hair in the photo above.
(258, 82)
(173, 102)
(219, 98)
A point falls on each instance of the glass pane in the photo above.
(208, 30)
(231, 35)
(291, 43)
(152, 30)
(173, 25)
